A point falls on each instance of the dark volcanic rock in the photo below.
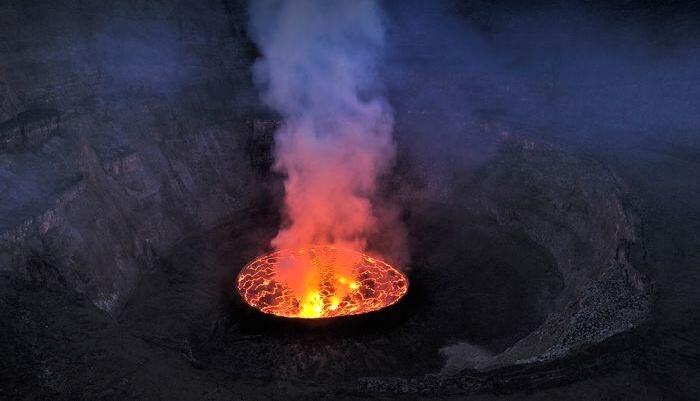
(115, 143)
(576, 209)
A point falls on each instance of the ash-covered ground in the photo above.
(549, 192)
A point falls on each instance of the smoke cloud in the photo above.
(318, 71)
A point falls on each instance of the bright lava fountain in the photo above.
(319, 282)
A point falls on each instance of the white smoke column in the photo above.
(318, 72)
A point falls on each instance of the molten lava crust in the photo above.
(320, 282)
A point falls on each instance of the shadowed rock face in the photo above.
(575, 210)
(124, 128)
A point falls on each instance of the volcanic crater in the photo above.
(496, 281)
(138, 183)
(529, 261)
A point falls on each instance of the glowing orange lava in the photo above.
(320, 281)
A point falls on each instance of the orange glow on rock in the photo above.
(318, 282)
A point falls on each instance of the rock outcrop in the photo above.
(124, 130)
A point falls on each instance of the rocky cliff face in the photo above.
(123, 127)
(580, 214)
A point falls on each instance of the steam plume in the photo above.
(318, 72)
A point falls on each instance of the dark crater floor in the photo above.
(479, 285)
